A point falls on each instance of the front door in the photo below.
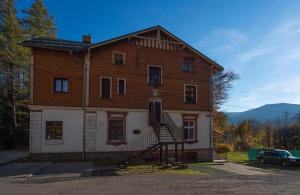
(155, 107)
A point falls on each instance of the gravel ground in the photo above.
(214, 182)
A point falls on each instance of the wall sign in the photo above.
(136, 131)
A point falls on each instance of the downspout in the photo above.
(85, 99)
(210, 111)
(83, 108)
(85, 64)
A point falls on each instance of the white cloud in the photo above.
(279, 45)
(268, 63)
(223, 40)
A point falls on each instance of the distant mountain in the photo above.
(268, 112)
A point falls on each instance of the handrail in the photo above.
(142, 142)
(175, 131)
(154, 124)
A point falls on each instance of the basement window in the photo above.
(118, 58)
(116, 128)
(54, 130)
(61, 85)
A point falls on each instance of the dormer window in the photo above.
(118, 58)
(188, 64)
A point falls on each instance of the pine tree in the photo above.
(13, 58)
(38, 22)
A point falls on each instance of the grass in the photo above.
(152, 168)
(238, 157)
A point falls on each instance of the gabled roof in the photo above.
(57, 44)
(66, 45)
(218, 66)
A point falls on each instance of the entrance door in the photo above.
(155, 107)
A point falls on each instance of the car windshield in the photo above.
(284, 153)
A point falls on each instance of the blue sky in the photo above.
(258, 39)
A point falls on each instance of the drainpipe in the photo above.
(83, 108)
(85, 98)
(210, 111)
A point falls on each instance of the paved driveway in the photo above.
(43, 168)
(215, 182)
(7, 156)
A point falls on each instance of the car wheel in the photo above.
(284, 163)
(262, 161)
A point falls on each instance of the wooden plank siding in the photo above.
(49, 64)
(138, 91)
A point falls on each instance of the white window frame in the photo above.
(125, 85)
(161, 73)
(110, 78)
(184, 100)
(118, 52)
(190, 127)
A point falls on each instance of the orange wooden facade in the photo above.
(51, 64)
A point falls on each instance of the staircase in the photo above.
(218, 158)
(163, 135)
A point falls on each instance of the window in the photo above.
(190, 94)
(190, 127)
(187, 64)
(121, 86)
(116, 128)
(118, 58)
(54, 130)
(61, 85)
(154, 75)
(105, 87)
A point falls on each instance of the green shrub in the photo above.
(222, 148)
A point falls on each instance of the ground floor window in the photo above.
(189, 128)
(54, 130)
(116, 131)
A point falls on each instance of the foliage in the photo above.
(297, 118)
(236, 156)
(13, 60)
(151, 168)
(15, 67)
(38, 22)
(222, 148)
(221, 84)
(287, 138)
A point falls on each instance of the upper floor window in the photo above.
(190, 94)
(118, 58)
(61, 85)
(105, 87)
(121, 86)
(154, 75)
(54, 130)
(188, 64)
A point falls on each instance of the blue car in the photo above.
(277, 156)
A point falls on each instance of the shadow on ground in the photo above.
(271, 166)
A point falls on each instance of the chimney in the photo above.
(87, 38)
